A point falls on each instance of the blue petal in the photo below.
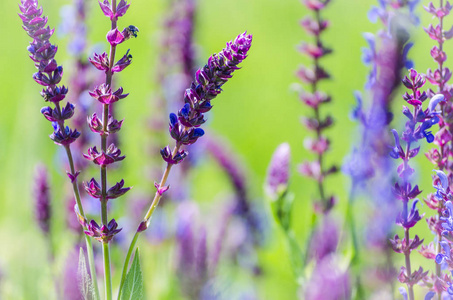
(403, 292)
(373, 14)
(430, 295)
(429, 136)
(434, 101)
(173, 119)
(198, 132)
(443, 178)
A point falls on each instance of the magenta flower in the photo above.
(103, 233)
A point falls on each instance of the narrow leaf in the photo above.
(133, 285)
(84, 279)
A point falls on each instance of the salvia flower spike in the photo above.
(418, 126)
(49, 75)
(105, 127)
(439, 78)
(184, 126)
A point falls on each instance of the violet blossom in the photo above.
(184, 126)
(314, 99)
(439, 156)
(417, 128)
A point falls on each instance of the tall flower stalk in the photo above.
(314, 99)
(440, 156)
(417, 128)
(184, 126)
(368, 164)
(49, 75)
(105, 127)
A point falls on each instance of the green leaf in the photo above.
(133, 285)
(84, 279)
(295, 255)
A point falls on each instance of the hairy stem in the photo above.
(89, 245)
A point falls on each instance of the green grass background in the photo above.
(256, 112)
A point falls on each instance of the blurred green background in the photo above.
(256, 112)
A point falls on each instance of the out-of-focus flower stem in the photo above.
(75, 187)
(350, 224)
(407, 255)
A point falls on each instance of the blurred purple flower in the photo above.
(42, 198)
(325, 239)
(277, 179)
(335, 281)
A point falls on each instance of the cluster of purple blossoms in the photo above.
(184, 126)
(440, 156)
(417, 128)
(49, 74)
(314, 99)
(387, 57)
(107, 125)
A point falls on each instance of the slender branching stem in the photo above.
(152, 208)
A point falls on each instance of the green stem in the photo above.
(107, 271)
(126, 262)
(146, 219)
(351, 226)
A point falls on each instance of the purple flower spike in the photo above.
(278, 172)
(104, 233)
(207, 85)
